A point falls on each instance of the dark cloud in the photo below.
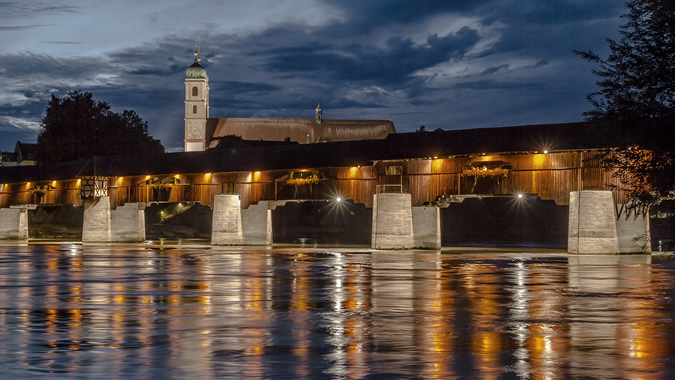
(395, 63)
(65, 42)
(30, 66)
(505, 63)
(22, 9)
(20, 27)
(374, 14)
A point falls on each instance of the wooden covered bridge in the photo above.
(405, 178)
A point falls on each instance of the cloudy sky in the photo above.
(450, 64)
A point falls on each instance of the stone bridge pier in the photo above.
(233, 225)
(14, 223)
(598, 227)
(126, 224)
(398, 225)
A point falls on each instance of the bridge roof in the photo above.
(569, 136)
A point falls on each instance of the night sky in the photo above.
(442, 64)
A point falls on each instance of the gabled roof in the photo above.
(299, 130)
(25, 151)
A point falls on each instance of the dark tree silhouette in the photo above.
(635, 104)
(77, 127)
(637, 80)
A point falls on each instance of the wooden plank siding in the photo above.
(551, 176)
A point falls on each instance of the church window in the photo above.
(195, 91)
(194, 109)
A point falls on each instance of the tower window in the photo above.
(195, 91)
(194, 109)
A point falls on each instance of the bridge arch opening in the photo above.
(505, 221)
(328, 222)
(180, 220)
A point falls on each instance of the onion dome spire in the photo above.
(196, 71)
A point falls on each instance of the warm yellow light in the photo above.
(28, 184)
(79, 181)
(256, 175)
(436, 165)
(539, 161)
(207, 175)
(147, 177)
(53, 183)
(119, 180)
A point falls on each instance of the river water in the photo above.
(176, 312)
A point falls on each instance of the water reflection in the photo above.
(141, 312)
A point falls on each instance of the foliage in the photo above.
(485, 172)
(637, 80)
(39, 191)
(646, 176)
(635, 105)
(313, 180)
(77, 127)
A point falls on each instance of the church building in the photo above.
(202, 131)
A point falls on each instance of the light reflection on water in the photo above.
(144, 312)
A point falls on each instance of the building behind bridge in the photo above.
(203, 132)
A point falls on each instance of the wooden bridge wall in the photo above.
(551, 176)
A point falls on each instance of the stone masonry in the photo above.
(256, 222)
(128, 223)
(226, 229)
(13, 224)
(392, 221)
(426, 227)
(592, 223)
(96, 227)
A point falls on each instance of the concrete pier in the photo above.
(392, 221)
(633, 232)
(256, 224)
(592, 223)
(97, 221)
(227, 228)
(128, 223)
(13, 224)
(426, 227)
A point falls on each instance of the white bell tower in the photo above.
(196, 106)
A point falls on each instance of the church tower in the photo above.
(196, 106)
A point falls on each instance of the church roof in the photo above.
(196, 71)
(299, 130)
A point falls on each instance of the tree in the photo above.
(637, 80)
(76, 127)
(636, 101)
(645, 175)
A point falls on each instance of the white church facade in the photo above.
(202, 131)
